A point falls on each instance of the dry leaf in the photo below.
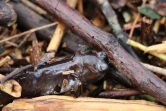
(159, 48)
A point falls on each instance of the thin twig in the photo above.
(135, 21)
(56, 39)
(12, 43)
(59, 32)
(29, 31)
(129, 26)
(155, 69)
(34, 7)
(16, 71)
(143, 48)
(25, 38)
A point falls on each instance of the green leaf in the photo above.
(126, 16)
(145, 10)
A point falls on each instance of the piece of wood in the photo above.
(11, 87)
(65, 103)
(142, 78)
(56, 39)
(7, 14)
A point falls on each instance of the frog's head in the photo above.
(94, 67)
(101, 64)
(96, 63)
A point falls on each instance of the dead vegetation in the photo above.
(54, 47)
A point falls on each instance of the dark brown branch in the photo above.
(143, 79)
(7, 14)
(119, 93)
(73, 43)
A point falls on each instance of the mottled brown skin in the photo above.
(49, 77)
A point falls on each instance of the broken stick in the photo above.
(11, 87)
(65, 103)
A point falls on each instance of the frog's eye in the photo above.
(102, 66)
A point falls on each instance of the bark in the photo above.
(7, 14)
(64, 103)
(119, 93)
(143, 79)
